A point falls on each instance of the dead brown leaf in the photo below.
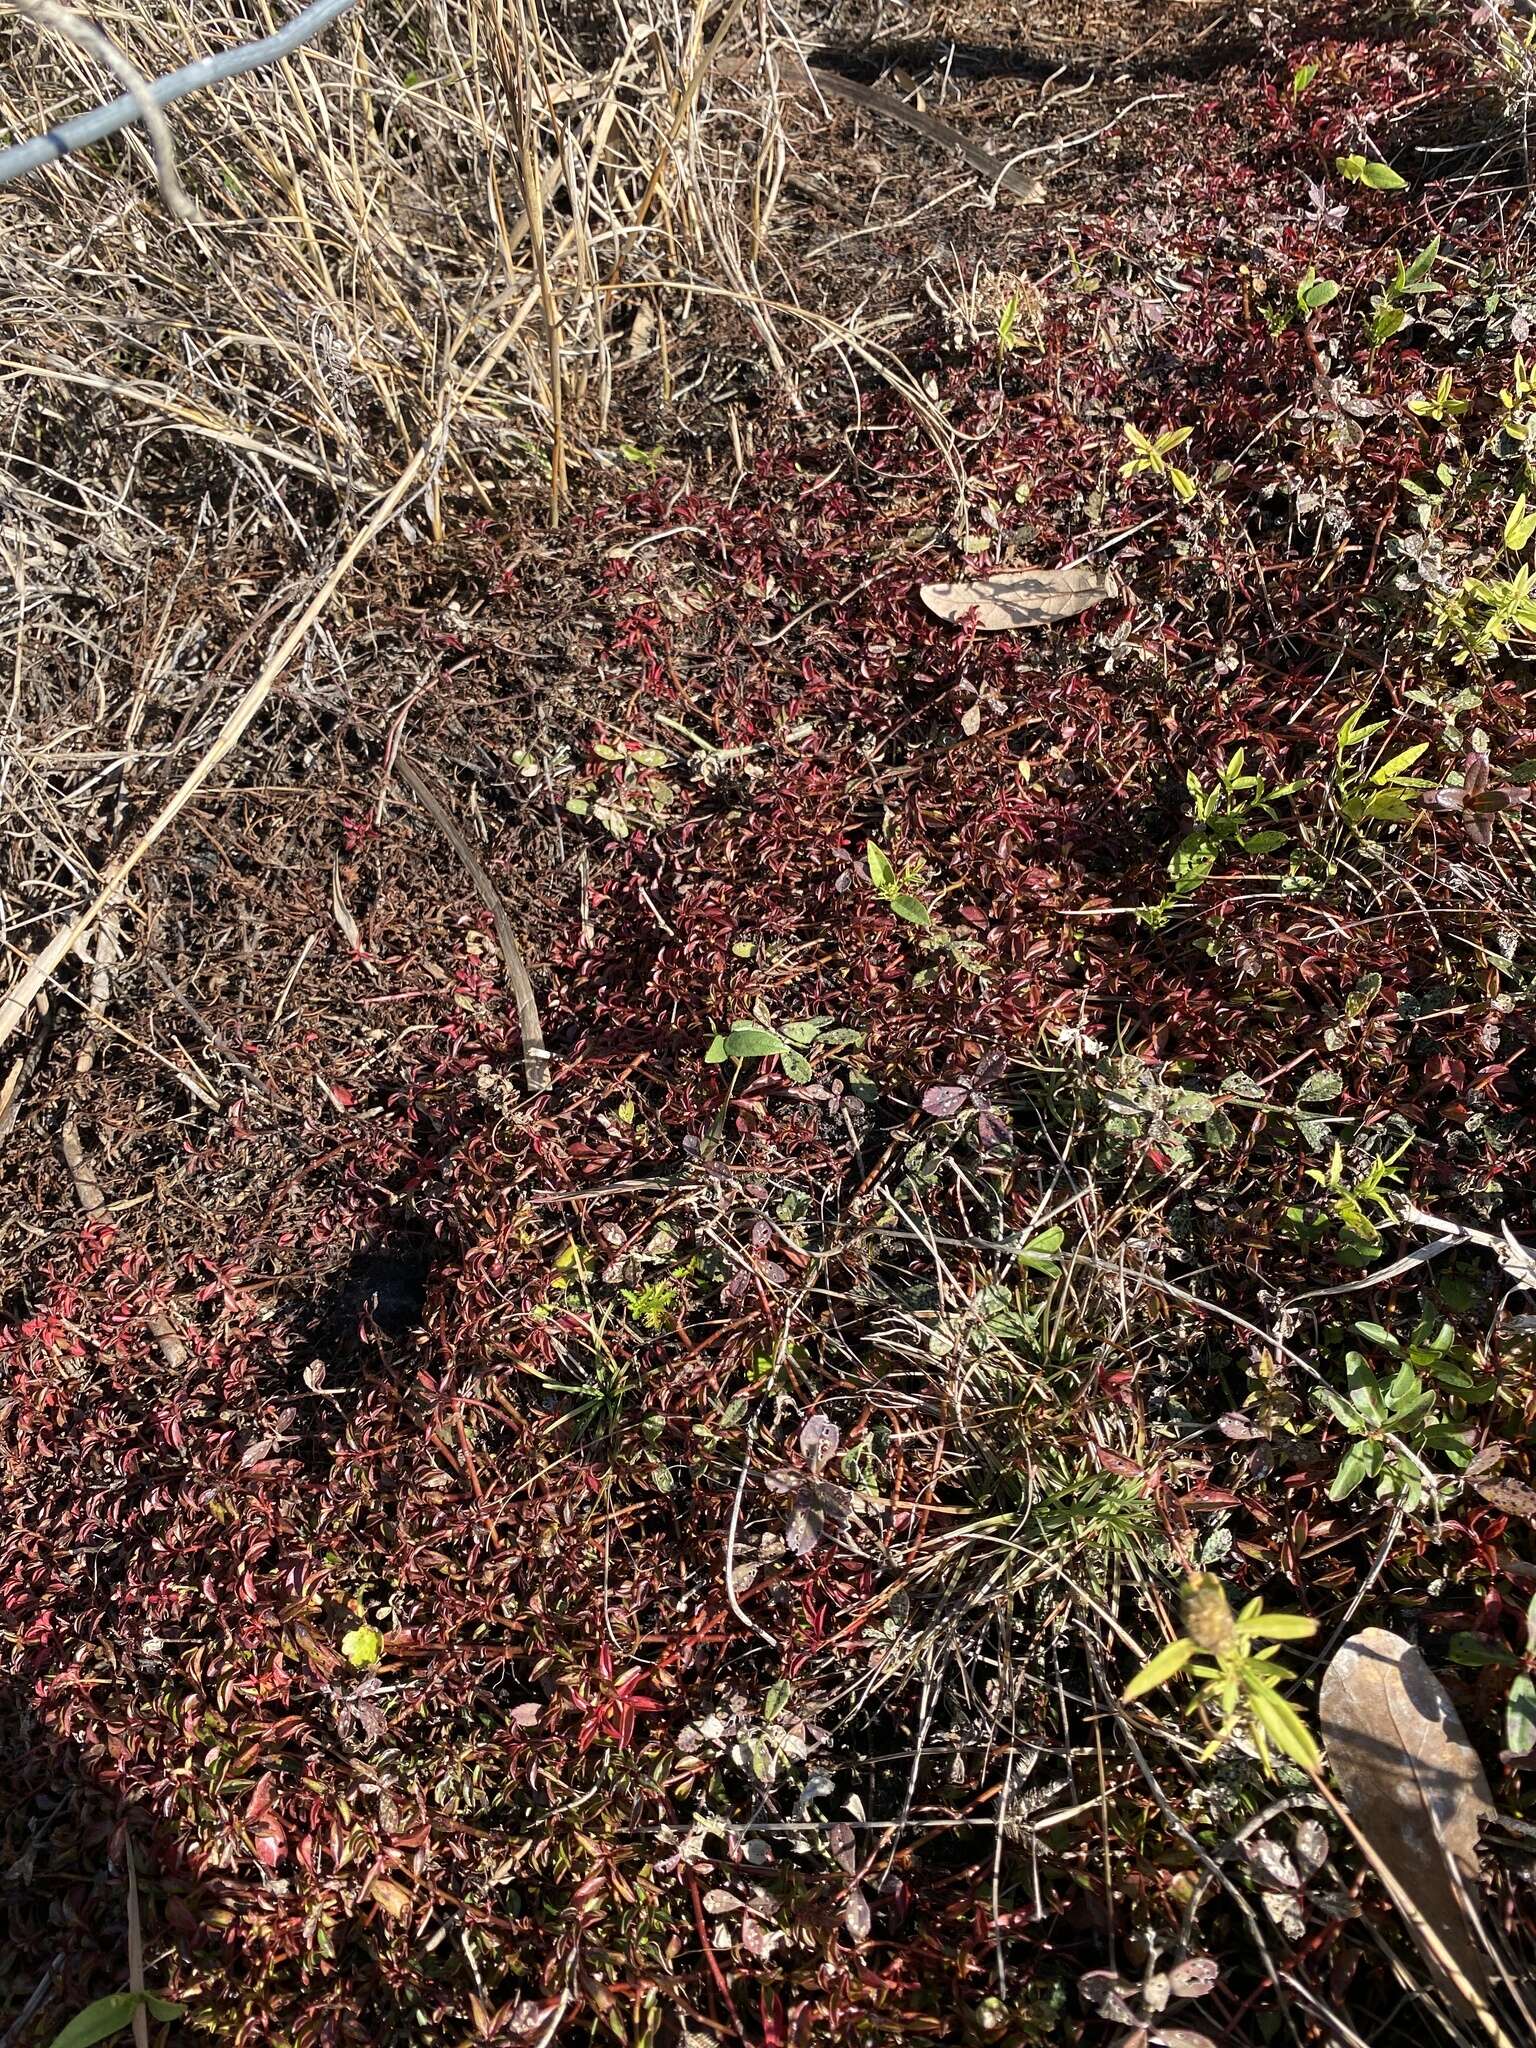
(1415, 1789)
(1509, 1496)
(394, 1898)
(1014, 598)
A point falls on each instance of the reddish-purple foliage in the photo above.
(458, 1840)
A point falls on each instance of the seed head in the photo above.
(1207, 1614)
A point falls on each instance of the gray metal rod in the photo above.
(101, 122)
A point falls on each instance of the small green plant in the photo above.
(1439, 407)
(1301, 80)
(1314, 292)
(1392, 306)
(1080, 1508)
(1227, 814)
(652, 1304)
(110, 2015)
(1374, 791)
(1240, 1684)
(1359, 1202)
(1397, 1425)
(1519, 525)
(1369, 171)
(898, 891)
(1010, 325)
(792, 1044)
(1517, 404)
(1485, 615)
(1150, 458)
(894, 888)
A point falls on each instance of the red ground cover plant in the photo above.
(734, 1515)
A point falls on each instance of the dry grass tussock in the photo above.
(420, 254)
(435, 226)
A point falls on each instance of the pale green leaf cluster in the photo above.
(1150, 458)
(1239, 1676)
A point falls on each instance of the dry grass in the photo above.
(411, 233)
(421, 250)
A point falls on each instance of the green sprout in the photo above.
(1239, 1683)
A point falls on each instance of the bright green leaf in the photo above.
(1285, 1728)
(362, 1647)
(1368, 171)
(106, 2017)
(1282, 1628)
(1353, 1470)
(1168, 1663)
(881, 873)
(912, 911)
(1385, 321)
(1519, 526)
(1373, 1333)
(1520, 1716)
(752, 1042)
(1040, 1253)
(1393, 770)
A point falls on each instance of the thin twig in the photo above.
(535, 1054)
(29, 985)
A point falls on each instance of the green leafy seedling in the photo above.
(110, 2015)
(1363, 1203)
(1519, 526)
(1396, 1424)
(1368, 171)
(1150, 458)
(789, 1046)
(1391, 308)
(894, 890)
(1229, 814)
(1314, 292)
(1239, 1681)
(1440, 406)
(1381, 790)
(1485, 615)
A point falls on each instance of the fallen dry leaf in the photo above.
(394, 1898)
(1020, 597)
(1415, 1789)
(1509, 1496)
